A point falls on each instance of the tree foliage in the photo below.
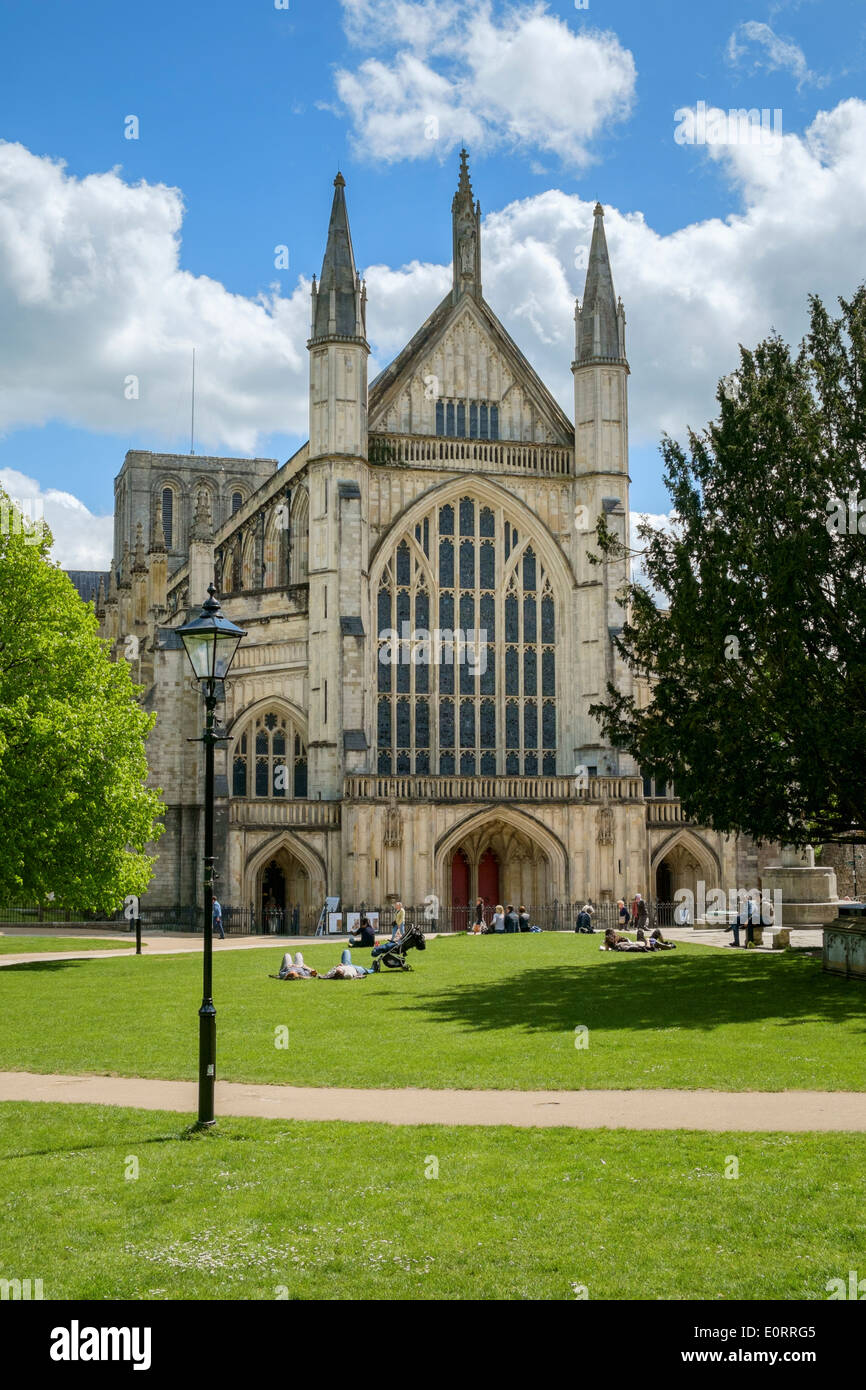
(75, 810)
(750, 624)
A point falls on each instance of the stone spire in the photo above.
(99, 606)
(466, 225)
(600, 320)
(339, 299)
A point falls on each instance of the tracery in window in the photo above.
(466, 670)
(270, 759)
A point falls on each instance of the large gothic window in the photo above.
(466, 670)
(270, 759)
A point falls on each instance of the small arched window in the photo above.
(168, 515)
(237, 502)
(270, 759)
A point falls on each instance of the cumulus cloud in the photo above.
(100, 321)
(523, 80)
(82, 540)
(91, 291)
(758, 42)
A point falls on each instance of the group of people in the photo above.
(634, 917)
(504, 919)
(294, 968)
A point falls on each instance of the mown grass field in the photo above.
(261, 1209)
(17, 945)
(479, 1012)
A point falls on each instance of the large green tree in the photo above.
(75, 810)
(750, 620)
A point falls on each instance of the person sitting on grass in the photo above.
(365, 935)
(295, 969)
(612, 939)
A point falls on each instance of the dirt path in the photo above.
(787, 1111)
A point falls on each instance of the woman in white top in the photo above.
(498, 918)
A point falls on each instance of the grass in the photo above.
(259, 1209)
(474, 1013)
(17, 945)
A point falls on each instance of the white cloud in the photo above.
(525, 80)
(778, 54)
(82, 540)
(90, 290)
(92, 294)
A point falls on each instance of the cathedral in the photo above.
(408, 715)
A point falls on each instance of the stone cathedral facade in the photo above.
(409, 713)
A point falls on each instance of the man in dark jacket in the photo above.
(584, 920)
(512, 921)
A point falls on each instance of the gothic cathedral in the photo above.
(408, 716)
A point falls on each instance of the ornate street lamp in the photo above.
(210, 641)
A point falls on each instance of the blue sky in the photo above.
(247, 110)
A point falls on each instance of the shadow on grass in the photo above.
(50, 964)
(666, 991)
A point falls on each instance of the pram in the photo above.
(392, 954)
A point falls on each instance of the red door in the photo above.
(488, 878)
(459, 879)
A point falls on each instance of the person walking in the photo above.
(512, 924)
(478, 924)
(217, 920)
(399, 921)
(622, 913)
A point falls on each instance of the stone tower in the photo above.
(339, 544)
(602, 480)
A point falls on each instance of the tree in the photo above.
(75, 809)
(757, 655)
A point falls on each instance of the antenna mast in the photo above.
(192, 414)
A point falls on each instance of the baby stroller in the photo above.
(392, 954)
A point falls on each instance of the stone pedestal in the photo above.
(845, 943)
(807, 895)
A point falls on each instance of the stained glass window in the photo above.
(478, 696)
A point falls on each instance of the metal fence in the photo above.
(247, 921)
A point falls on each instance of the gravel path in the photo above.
(756, 1111)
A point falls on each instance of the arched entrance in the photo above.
(283, 895)
(507, 857)
(683, 864)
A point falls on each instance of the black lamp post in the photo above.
(210, 641)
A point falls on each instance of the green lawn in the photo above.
(339, 1211)
(17, 945)
(474, 1013)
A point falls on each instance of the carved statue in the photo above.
(466, 248)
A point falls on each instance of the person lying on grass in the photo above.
(295, 969)
(615, 941)
(346, 970)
